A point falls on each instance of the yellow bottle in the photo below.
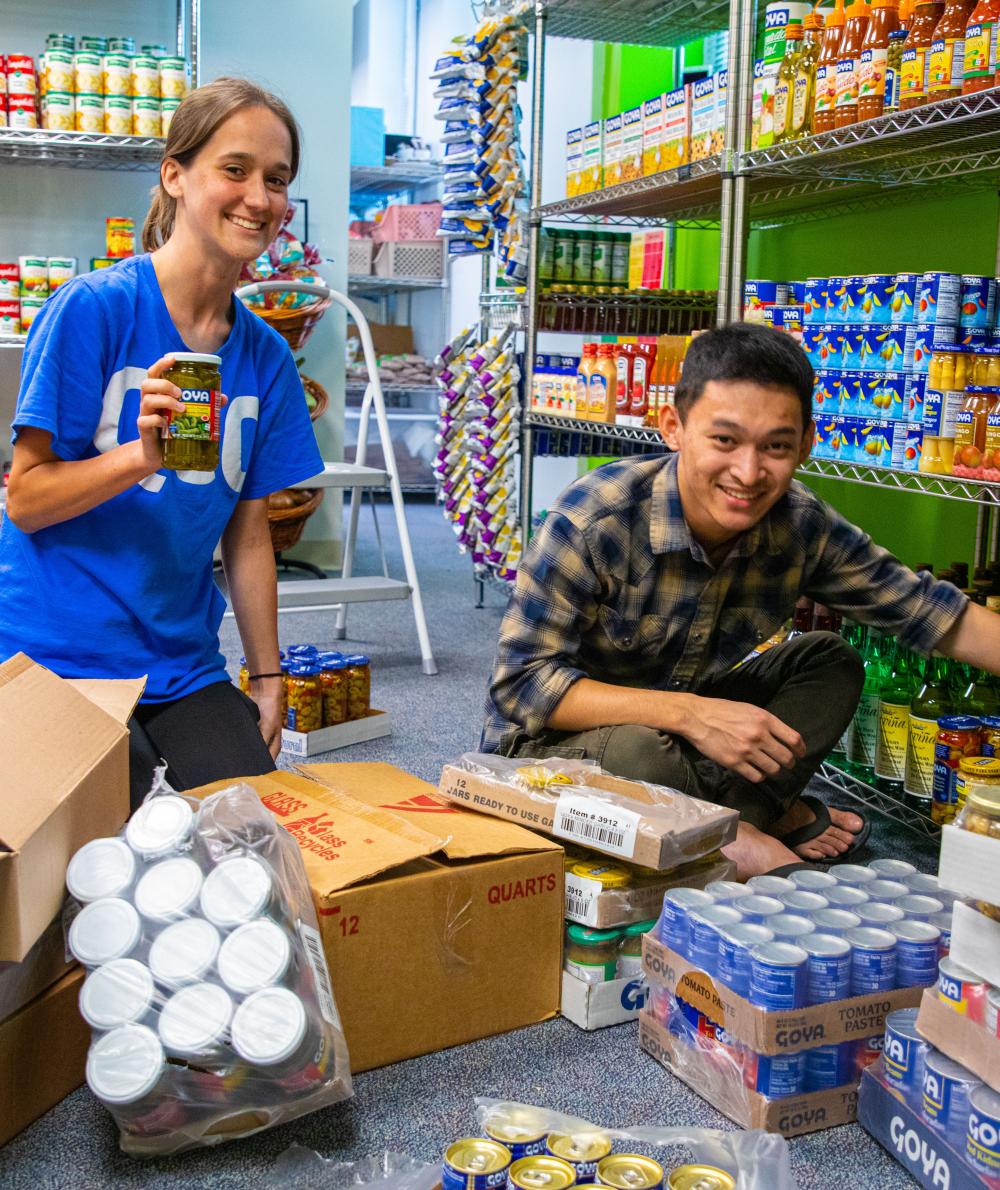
(784, 87)
(804, 92)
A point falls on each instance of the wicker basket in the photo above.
(286, 524)
(295, 326)
(319, 394)
(417, 260)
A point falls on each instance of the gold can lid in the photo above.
(985, 767)
(541, 1173)
(514, 1125)
(608, 875)
(583, 1146)
(474, 1155)
(629, 1171)
(700, 1177)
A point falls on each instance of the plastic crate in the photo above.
(408, 221)
(359, 257)
(417, 259)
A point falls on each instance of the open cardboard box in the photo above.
(772, 1032)
(425, 910)
(970, 864)
(63, 782)
(645, 824)
(597, 1005)
(603, 908)
(965, 1040)
(341, 735)
(975, 942)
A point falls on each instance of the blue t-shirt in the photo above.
(127, 588)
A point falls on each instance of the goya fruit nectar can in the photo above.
(540, 1173)
(939, 298)
(475, 1164)
(904, 297)
(778, 976)
(903, 1054)
(699, 1177)
(629, 1171)
(518, 1130)
(962, 990)
(982, 1139)
(583, 1152)
(814, 299)
(873, 960)
(876, 304)
(979, 299)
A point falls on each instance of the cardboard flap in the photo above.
(342, 840)
(116, 696)
(386, 787)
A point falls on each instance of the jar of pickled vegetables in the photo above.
(591, 955)
(333, 680)
(305, 698)
(284, 666)
(629, 963)
(976, 774)
(191, 438)
(359, 686)
(981, 813)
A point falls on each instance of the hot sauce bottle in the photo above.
(946, 72)
(916, 54)
(848, 65)
(874, 58)
(826, 69)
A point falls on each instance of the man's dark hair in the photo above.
(745, 351)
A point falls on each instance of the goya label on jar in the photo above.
(980, 49)
(947, 64)
(191, 437)
(912, 71)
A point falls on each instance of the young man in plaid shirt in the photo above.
(651, 579)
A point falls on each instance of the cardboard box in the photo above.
(611, 160)
(592, 177)
(636, 258)
(970, 864)
(387, 338)
(676, 150)
(309, 743)
(702, 117)
(574, 161)
(965, 1040)
(772, 1032)
(64, 781)
(903, 1134)
(597, 1005)
(44, 964)
(425, 910)
(588, 903)
(648, 825)
(43, 1054)
(652, 135)
(975, 942)
(632, 142)
(719, 1085)
(654, 259)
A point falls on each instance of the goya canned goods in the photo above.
(475, 1164)
(905, 297)
(892, 869)
(827, 391)
(876, 305)
(915, 390)
(828, 970)
(734, 954)
(723, 891)
(990, 735)
(703, 934)
(790, 927)
(518, 1130)
(903, 1053)
(886, 891)
(582, 1152)
(978, 301)
(893, 396)
(835, 291)
(973, 336)
(699, 1177)
(943, 922)
(801, 901)
(778, 976)
(674, 918)
(918, 907)
(944, 1100)
(982, 1140)
(916, 953)
(756, 908)
(873, 960)
(851, 298)
(775, 1076)
(829, 1066)
(835, 921)
(851, 351)
(629, 1171)
(962, 990)
(813, 881)
(991, 1016)
(813, 340)
(867, 1051)
(923, 882)
(758, 294)
(769, 886)
(854, 875)
(814, 299)
(846, 896)
(931, 337)
(939, 298)
(958, 738)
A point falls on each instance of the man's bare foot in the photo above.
(834, 841)
(754, 852)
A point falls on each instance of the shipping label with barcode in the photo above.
(596, 823)
(581, 899)
(312, 944)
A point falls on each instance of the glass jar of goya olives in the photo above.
(191, 438)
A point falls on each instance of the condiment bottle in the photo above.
(804, 89)
(980, 64)
(874, 58)
(784, 88)
(623, 379)
(916, 54)
(946, 72)
(601, 386)
(848, 63)
(642, 376)
(905, 14)
(826, 69)
(893, 65)
(587, 360)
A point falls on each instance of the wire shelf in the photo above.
(357, 388)
(635, 22)
(91, 150)
(876, 799)
(377, 181)
(16, 342)
(570, 436)
(360, 284)
(944, 486)
(635, 313)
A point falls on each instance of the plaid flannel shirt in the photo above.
(614, 587)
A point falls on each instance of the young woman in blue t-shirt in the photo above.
(106, 557)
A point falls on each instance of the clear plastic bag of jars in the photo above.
(207, 990)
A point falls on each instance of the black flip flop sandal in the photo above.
(812, 830)
(788, 869)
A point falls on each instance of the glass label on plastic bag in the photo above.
(581, 899)
(597, 823)
(313, 946)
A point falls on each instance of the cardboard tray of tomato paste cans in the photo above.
(772, 1032)
(960, 1037)
(577, 801)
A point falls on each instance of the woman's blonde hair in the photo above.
(193, 125)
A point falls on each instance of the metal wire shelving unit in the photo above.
(902, 813)
(86, 150)
(379, 181)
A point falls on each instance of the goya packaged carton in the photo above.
(702, 118)
(652, 135)
(907, 446)
(874, 442)
(631, 152)
(676, 149)
(612, 159)
(574, 161)
(592, 177)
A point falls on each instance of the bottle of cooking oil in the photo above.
(784, 88)
(804, 91)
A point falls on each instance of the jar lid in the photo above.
(360, 658)
(160, 825)
(639, 927)
(235, 892)
(104, 930)
(196, 357)
(303, 669)
(184, 952)
(254, 956)
(959, 723)
(333, 663)
(125, 1064)
(590, 937)
(985, 798)
(302, 651)
(991, 721)
(607, 875)
(269, 1026)
(195, 1019)
(169, 889)
(101, 868)
(117, 993)
(982, 766)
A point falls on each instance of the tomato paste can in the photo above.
(775, 1076)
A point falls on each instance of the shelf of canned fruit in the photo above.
(319, 689)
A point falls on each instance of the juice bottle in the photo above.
(601, 386)
(804, 91)
(874, 58)
(893, 71)
(979, 72)
(863, 731)
(848, 65)
(642, 376)
(784, 87)
(916, 54)
(933, 701)
(657, 382)
(970, 431)
(587, 360)
(895, 697)
(826, 69)
(946, 73)
(623, 379)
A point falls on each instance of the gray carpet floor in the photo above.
(420, 1106)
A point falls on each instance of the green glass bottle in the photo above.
(856, 635)
(898, 689)
(863, 731)
(980, 697)
(934, 700)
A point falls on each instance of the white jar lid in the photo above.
(125, 1064)
(169, 889)
(195, 1019)
(159, 826)
(235, 892)
(101, 868)
(254, 956)
(184, 952)
(117, 993)
(269, 1026)
(104, 930)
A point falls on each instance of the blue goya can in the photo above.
(814, 299)
(836, 289)
(852, 347)
(944, 1100)
(930, 338)
(756, 908)
(829, 1066)
(867, 390)
(978, 302)
(724, 891)
(943, 922)
(903, 1054)
(878, 916)
(904, 297)
(703, 934)
(769, 886)
(828, 970)
(894, 392)
(852, 394)
(775, 1076)
(813, 339)
(916, 387)
(916, 953)
(972, 336)
(886, 891)
(873, 960)
(582, 1152)
(778, 976)
(854, 296)
(982, 1138)
(883, 348)
(835, 921)
(734, 954)
(846, 896)
(939, 299)
(853, 875)
(801, 901)
(790, 927)
(876, 305)
(475, 1164)
(674, 919)
(813, 881)
(826, 391)
(518, 1131)
(919, 906)
(797, 293)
